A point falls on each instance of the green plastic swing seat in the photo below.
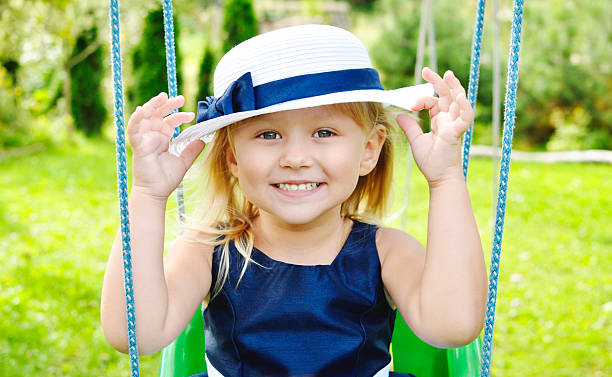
(185, 356)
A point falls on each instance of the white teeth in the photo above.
(300, 187)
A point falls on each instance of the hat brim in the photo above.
(403, 98)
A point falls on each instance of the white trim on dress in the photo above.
(212, 372)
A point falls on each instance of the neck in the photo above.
(316, 242)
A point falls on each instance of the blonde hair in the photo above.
(226, 214)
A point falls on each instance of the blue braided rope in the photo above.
(474, 76)
(170, 51)
(509, 116)
(122, 189)
(172, 85)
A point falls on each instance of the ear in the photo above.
(230, 160)
(373, 145)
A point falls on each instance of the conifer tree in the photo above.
(86, 99)
(205, 87)
(149, 74)
(239, 22)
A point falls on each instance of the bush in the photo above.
(150, 76)
(86, 99)
(564, 66)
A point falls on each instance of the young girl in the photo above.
(300, 279)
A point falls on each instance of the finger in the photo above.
(153, 104)
(177, 119)
(430, 103)
(134, 126)
(410, 127)
(192, 151)
(134, 121)
(466, 109)
(168, 107)
(174, 120)
(454, 84)
(439, 86)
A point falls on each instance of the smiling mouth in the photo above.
(298, 187)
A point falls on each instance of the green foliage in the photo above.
(11, 117)
(205, 83)
(149, 75)
(86, 98)
(565, 66)
(362, 4)
(395, 51)
(59, 216)
(564, 62)
(239, 22)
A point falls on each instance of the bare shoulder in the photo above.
(392, 243)
(190, 256)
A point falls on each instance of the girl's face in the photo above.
(300, 165)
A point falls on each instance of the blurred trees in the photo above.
(149, 74)
(11, 125)
(566, 74)
(87, 69)
(205, 77)
(565, 88)
(239, 22)
(36, 41)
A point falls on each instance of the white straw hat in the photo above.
(292, 68)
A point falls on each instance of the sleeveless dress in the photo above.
(293, 320)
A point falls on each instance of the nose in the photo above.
(296, 154)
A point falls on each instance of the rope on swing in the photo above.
(172, 87)
(508, 133)
(122, 190)
(122, 175)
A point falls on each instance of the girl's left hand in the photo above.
(438, 153)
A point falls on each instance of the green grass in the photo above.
(59, 215)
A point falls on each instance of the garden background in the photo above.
(58, 202)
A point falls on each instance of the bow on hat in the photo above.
(239, 96)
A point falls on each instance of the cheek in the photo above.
(251, 168)
(344, 163)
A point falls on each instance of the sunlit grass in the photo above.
(59, 215)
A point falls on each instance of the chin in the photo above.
(297, 217)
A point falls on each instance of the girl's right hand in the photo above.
(156, 171)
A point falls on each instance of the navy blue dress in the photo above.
(294, 320)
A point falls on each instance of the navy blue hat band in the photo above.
(242, 96)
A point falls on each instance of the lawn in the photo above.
(59, 215)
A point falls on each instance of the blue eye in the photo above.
(324, 133)
(269, 135)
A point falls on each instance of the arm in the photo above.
(166, 291)
(444, 300)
